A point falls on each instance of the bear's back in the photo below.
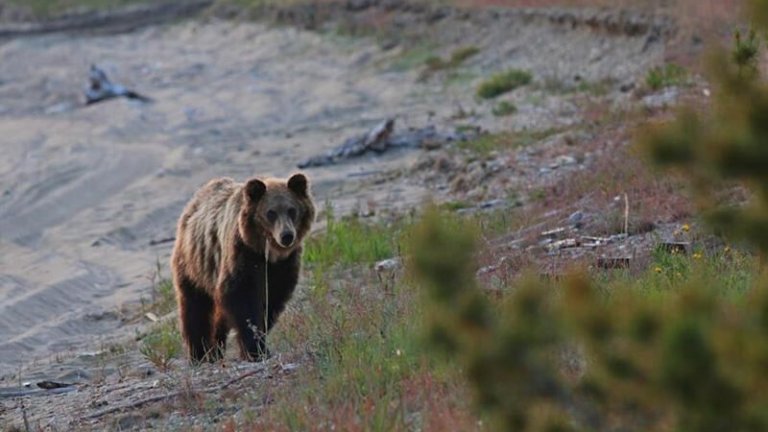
(206, 229)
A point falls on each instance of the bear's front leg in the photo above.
(195, 315)
(243, 300)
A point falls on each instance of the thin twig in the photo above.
(626, 214)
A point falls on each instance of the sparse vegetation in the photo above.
(455, 205)
(722, 147)
(162, 345)
(413, 56)
(49, 8)
(349, 241)
(745, 53)
(665, 76)
(664, 348)
(458, 57)
(503, 82)
(487, 143)
(504, 108)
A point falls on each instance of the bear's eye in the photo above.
(292, 213)
(271, 215)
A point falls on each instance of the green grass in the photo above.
(455, 205)
(163, 297)
(504, 108)
(413, 56)
(162, 345)
(669, 75)
(503, 141)
(503, 82)
(50, 8)
(350, 240)
(456, 59)
(733, 272)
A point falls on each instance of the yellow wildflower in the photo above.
(686, 227)
(657, 269)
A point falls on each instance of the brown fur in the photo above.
(219, 263)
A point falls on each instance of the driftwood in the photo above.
(6, 393)
(162, 240)
(382, 138)
(101, 88)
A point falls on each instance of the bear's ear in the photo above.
(298, 184)
(255, 189)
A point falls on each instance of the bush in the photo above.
(162, 345)
(503, 83)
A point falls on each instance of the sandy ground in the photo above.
(84, 190)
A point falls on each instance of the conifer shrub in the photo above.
(595, 353)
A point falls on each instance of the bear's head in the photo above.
(277, 211)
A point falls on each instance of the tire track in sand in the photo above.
(69, 189)
(41, 311)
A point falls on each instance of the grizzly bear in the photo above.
(236, 261)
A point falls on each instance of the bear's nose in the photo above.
(286, 238)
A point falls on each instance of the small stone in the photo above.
(563, 160)
(388, 265)
(576, 218)
(666, 98)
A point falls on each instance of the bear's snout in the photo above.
(286, 238)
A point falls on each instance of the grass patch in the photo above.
(365, 368)
(50, 8)
(503, 82)
(504, 108)
(669, 75)
(595, 88)
(457, 57)
(349, 241)
(504, 141)
(162, 345)
(455, 205)
(413, 57)
(163, 297)
(732, 271)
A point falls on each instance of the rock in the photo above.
(129, 421)
(388, 265)
(443, 164)
(50, 385)
(359, 5)
(576, 219)
(666, 98)
(627, 87)
(563, 160)
(492, 204)
(459, 184)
